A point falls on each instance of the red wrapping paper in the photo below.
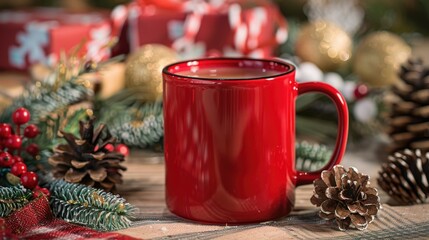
(41, 34)
(234, 28)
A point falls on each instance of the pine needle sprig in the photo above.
(43, 101)
(62, 88)
(311, 157)
(140, 126)
(89, 206)
(131, 119)
(12, 199)
(65, 86)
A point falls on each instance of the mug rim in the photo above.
(291, 69)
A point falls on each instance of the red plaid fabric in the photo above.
(36, 221)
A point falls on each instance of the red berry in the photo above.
(32, 149)
(21, 116)
(29, 180)
(5, 130)
(5, 159)
(109, 147)
(123, 149)
(361, 91)
(31, 131)
(17, 159)
(18, 169)
(14, 142)
(12, 160)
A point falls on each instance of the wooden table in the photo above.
(144, 188)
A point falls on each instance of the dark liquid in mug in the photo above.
(226, 73)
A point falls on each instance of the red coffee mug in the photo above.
(230, 141)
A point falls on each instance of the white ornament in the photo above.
(334, 79)
(365, 110)
(348, 90)
(308, 72)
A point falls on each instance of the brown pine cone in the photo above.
(346, 197)
(405, 177)
(409, 115)
(86, 160)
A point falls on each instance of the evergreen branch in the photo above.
(64, 87)
(311, 157)
(41, 101)
(12, 199)
(134, 123)
(142, 126)
(88, 206)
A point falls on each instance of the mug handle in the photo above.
(343, 123)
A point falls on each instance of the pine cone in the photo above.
(86, 160)
(409, 117)
(346, 197)
(405, 176)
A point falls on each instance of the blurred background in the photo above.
(107, 56)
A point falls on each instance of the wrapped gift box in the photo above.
(198, 28)
(40, 35)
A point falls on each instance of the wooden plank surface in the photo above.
(144, 182)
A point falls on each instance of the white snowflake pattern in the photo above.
(31, 43)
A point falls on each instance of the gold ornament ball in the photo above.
(378, 58)
(324, 44)
(143, 69)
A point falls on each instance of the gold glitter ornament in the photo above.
(143, 69)
(378, 58)
(324, 44)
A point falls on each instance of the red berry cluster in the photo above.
(11, 146)
(119, 148)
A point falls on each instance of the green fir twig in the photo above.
(12, 199)
(311, 157)
(139, 126)
(41, 101)
(132, 120)
(88, 206)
